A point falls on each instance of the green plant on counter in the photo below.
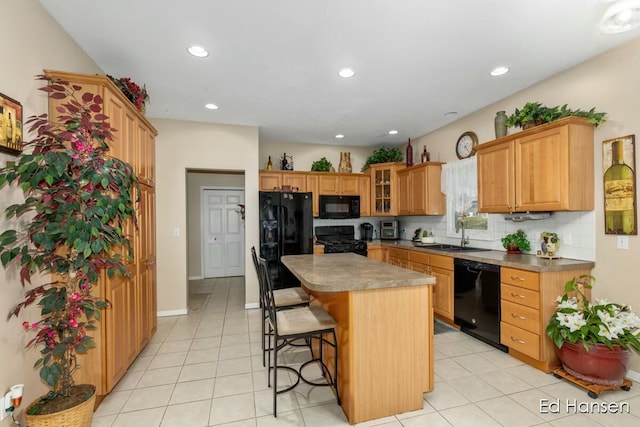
(534, 114)
(322, 165)
(516, 241)
(383, 155)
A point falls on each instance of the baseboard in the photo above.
(167, 313)
(196, 277)
(251, 305)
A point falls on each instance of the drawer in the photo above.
(521, 316)
(520, 295)
(520, 340)
(399, 253)
(420, 267)
(421, 257)
(441, 261)
(522, 278)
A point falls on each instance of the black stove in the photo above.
(340, 239)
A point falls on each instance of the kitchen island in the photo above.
(385, 330)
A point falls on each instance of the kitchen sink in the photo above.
(464, 249)
(449, 248)
(455, 248)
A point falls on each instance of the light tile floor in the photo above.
(205, 369)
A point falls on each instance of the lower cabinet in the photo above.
(442, 268)
(439, 266)
(399, 257)
(528, 300)
(377, 252)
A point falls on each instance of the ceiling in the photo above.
(274, 64)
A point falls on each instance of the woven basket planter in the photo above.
(77, 416)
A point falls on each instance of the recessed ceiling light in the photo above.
(346, 73)
(393, 132)
(498, 71)
(451, 114)
(211, 106)
(198, 51)
(620, 17)
(339, 136)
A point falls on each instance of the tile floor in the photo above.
(205, 369)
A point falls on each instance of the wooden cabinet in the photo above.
(528, 300)
(541, 169)
(399, 257)
(364, 190)
(321, 183)
(442, 268)
(377, 252)
(312, 186)
(270, 181)
(384, 191)
(128, 323)
(419, 190)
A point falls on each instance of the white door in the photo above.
(223, 233)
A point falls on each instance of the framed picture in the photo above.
(619, 171)
(10, 125)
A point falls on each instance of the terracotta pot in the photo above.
(599, 365)
(513, 249)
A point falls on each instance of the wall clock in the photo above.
(466, 145)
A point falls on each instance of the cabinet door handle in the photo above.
(517, 340)
(517, 295)
(518, 317)
(521, 279)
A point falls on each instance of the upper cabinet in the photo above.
(419, 190)
(541, 169)
(384, 188)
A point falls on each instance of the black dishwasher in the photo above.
(477, 300)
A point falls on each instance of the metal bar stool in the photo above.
(308, 323)
(284, 299)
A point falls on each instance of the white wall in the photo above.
(183, 146)
(33, 42)
(610, 83)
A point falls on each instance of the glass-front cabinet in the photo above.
(384, 188)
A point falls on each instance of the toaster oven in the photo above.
(389, 230)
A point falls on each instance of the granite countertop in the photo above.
(522, 261)
(350, 272)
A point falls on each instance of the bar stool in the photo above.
(284, 299)
(308, 323)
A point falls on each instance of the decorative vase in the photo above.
(409, 154)
(79, 415)
(500, 124)
(598, 365)
(345, 162)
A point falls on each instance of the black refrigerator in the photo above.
(286, 228)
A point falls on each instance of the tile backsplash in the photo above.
(576, 231)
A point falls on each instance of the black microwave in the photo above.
(339, 207)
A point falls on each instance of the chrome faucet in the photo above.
(460, 227)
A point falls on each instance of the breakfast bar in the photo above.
(385, 330)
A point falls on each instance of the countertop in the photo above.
(522, 261)
(345, 272)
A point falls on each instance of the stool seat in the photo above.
(290, 296)
(303, 320)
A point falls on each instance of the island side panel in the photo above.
(385, 347)
(392, 350)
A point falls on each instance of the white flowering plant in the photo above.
(577, 319)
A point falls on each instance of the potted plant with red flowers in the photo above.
(134, 93)
(77, 199)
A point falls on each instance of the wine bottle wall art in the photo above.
(618, 162)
